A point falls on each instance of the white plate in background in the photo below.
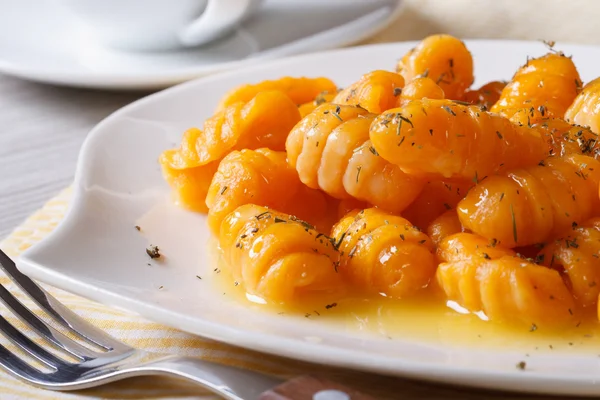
(41, 42)
(96, 252)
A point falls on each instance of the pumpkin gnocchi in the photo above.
(482, 277)
(277, 256)
(443, 58)
(585, 108)
(331, 150)
(252, 125)
(383, 253)
(376, 92)
(542, 88)
(530, 206)
(408, 184)
(299, 90)
(441, 139)
(262, 177)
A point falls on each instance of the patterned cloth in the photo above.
(141, 333)
(131, 329)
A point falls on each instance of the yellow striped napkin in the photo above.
(141, 333)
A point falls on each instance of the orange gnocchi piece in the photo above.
(420, 88)
(483, 278)
(436, 198)
(576, 255)
(330, 149)
(309, 107)
(443, 226)
(190, 185)
(443, 58)
(564, 138)
(529, 206)
(543, 88)
(384, 254)
(299, 90)
(486, 96)
(261, 177)
(189, 168)
(278, 257)
(585, 109)
(441, 139)
(376, 91)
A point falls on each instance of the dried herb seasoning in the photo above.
(153, 251)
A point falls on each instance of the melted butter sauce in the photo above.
(427, 317)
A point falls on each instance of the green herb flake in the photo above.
(408, 121)
(449, 110)
(263, 215)
(372, 150)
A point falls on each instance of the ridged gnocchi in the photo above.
(441, 139)
(529, 206)
(443, 58)
(300, 90)
(576, 255)
(384, 254)
(331, 150)
(264, 178)
(482, 277)
(376, 92)
(278, 257)
(252, 125)
(543, 88)
(585, 109)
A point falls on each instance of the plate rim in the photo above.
(489, 379)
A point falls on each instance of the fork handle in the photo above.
(237, 384)
(312, 388)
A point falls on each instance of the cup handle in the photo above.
(218, 18)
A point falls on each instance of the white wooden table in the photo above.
(41, 130)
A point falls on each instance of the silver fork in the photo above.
(113, 360)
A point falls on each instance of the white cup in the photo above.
(148, 25)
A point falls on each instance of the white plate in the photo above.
(97, 253)
(41, 42)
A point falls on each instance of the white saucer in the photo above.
(41, 42)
